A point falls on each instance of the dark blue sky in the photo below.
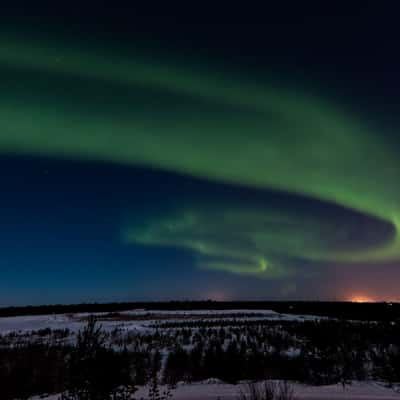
(92, 211)
(61, 224)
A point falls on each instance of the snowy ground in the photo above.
(366, 391)
(141, 319)
(214, 391)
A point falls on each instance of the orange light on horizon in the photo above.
(361, 299)
(218, 295)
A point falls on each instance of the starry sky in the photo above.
(199, 152)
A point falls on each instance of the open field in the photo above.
(214, 391)
(135, 320)
(208, 354)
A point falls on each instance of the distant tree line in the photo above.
(343, 310)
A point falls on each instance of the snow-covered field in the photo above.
(141, 319)
(208, 391)
(143, 322)
(214, 391)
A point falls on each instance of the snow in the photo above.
(74, 322)
(209, 390)
(36, 322)
(212, 388)
(358, 390)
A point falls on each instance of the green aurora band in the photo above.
(65, 101)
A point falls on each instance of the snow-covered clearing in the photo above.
(214, 391)
(137, 323)
(140, 319)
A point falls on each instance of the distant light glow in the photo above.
(361, 299)
(218, 295)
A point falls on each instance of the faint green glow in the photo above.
(263, 264)
(69, 102)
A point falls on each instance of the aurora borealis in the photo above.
(217, 177)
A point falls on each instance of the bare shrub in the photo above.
(267, 390)
(285, 391)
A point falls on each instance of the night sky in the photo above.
(199, 152)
